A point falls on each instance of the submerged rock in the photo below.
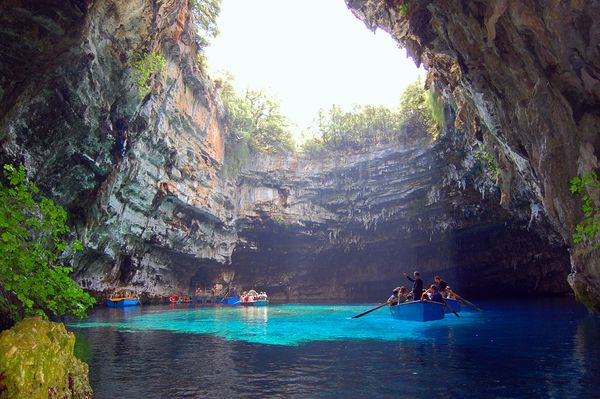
(37, 361)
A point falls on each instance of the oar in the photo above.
(450, 307)
(369, 311)
(472, 304)
(468, 303)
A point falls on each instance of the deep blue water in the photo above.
(534, 349)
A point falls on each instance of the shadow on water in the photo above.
(545, 349)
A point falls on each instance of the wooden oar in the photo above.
(369, 311)
(472, 304)
(467, 302)
(450, 307)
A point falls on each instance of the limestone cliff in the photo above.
(525, 77)
(154, 200)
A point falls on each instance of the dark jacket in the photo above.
(417, 288)
(442, 286)
(437, 297)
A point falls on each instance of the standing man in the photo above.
(417, 288)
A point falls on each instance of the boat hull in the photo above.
(122, 302)
(418, 311)
(256, 303)
(234, 300)
(454, 304)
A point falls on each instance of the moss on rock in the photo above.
(37, 361)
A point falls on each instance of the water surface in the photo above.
(545, 349)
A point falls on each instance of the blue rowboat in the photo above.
(418, 311)
(454, 304)
(233, 300)
(122, 302)
(256, 303)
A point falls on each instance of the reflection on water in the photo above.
(547, 349)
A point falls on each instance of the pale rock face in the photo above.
(145, 179)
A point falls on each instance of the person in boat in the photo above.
(417, 287)
(433, 294)
(441, 284)
(398, 296)
(452, 294)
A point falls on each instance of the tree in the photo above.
(421, 111)
(420, 116)
(258, 119)
(33, 236)
(205, 13)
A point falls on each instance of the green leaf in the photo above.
(33, 235)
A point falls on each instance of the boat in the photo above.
(230, 300)
(453, 304)
(253, 298)
(117, 301)
(176, 298)
(418, 311)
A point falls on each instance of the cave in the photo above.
(162, 193)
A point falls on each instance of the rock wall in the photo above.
(138, 175)
(347, 226)
(153, 197)
(525, 77)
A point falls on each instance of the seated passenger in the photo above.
(435, 295)
(398, 296)
(402, 295)
(426, 296)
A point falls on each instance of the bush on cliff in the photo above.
(33, 236)
(147, 70)
(587, 186)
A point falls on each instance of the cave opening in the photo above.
(355, 216)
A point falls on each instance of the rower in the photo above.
(441, 285)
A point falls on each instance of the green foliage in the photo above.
(205, 13)
(420, 116)
(587, 187)
(236, 156)
(403, 10)
(33, 227)
(436, 111)
(312, 144)
(257, 120)
(416, 111)
(487, 162)
(280, 220)
(147, 69)
(362, 128)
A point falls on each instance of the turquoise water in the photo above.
(534, 349)
(275, 325)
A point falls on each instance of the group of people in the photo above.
(252, 296)
(436, 291)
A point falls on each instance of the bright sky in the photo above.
(309, 54)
